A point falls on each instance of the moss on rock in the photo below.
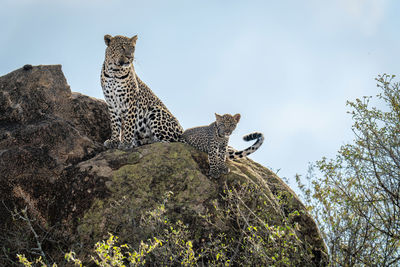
(146, 175)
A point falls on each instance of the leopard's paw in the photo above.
(213, 173)
(110, 143)
(125, 146)
(225, 170)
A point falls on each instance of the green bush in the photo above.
(250, 239)
(355, 197)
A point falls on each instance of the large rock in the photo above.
(44, 131)
(52, 161)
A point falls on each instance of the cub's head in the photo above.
(120, 50)
(226, 124)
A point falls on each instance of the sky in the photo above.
(288, 67)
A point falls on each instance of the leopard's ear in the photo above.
(134, 39)
(237, 117)
(218, 117)
(107, 39)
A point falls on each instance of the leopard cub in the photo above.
(213, 139)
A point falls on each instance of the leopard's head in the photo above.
(226, 124)
(120, 50)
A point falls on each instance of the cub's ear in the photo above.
(134, 39)
(236, 117)
(218, 117)
(107, 39)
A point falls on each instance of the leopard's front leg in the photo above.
(222, 158)
(217, 164)
(128, 127)
(113, 142)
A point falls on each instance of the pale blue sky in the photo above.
(287, 66)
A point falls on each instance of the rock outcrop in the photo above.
(52, 162)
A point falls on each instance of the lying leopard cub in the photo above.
(213, 139)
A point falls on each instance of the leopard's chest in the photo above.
(118, 93)
(219, 143)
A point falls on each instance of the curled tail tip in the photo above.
(252, 136)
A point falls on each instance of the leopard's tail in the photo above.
(233, 154)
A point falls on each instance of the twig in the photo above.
(39, 245)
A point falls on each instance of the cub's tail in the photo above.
(234, 154)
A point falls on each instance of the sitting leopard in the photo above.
(213, 139)
(137, 115)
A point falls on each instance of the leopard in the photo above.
(213, 139)
(138, 116)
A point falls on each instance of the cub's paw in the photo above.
(225, 170)
(214, 173)
(111, 143)
(125, 146)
